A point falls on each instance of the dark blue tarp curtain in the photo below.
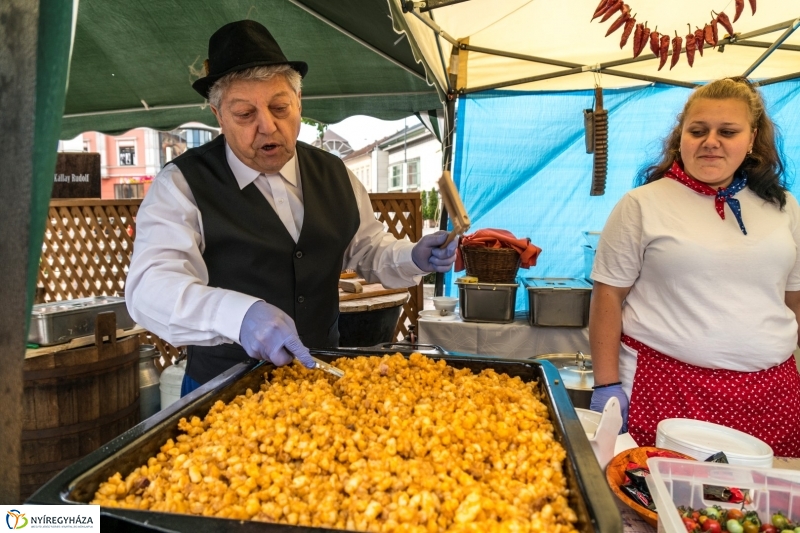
(521, 163)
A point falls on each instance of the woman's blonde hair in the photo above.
(763, 166)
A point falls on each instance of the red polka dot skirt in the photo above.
(764, 404)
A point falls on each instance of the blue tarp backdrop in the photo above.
(521, 163)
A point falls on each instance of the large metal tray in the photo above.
(58, 322)
(589, 493)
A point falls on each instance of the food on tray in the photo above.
(717, 520)
(396, 445)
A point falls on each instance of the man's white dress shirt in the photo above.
(167, 288)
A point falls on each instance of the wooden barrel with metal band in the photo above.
(76, 400)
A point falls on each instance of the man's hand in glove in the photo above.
(268, 333)
(429, 257)
(602, 395)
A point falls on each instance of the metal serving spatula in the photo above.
(330, 369)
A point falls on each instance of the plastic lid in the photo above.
(711, 438)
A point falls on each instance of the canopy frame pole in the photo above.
(205, 104)
(444, 63)
(436, 28)
(785, 35)
(764, 44)
(447, 155)
(357, 39)
(778, 79)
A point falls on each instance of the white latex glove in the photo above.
(267, 333)
(427, 255)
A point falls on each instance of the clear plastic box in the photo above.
(677, 482)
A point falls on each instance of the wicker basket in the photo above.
(491, 265)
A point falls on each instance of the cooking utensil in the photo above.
(455, 208)
(588, 494)
(576, 372)
(330, 369)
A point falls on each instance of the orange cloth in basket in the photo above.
(499, 238)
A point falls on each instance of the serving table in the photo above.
(516, 340)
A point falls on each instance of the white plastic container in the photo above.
(676, 482)
(701, 439)
(170, 386)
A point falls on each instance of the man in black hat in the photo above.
(240, 242)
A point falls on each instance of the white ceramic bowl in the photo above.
(445, 303)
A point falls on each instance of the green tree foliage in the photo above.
(424, 204)
(432, 204)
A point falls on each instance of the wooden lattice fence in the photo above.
(401, 214)
(88, 245)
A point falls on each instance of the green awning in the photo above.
(133, 62)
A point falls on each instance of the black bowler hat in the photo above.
(238, 46)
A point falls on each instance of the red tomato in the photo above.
(768, 528)
(734, 514)
(711, 526)
(690, 524)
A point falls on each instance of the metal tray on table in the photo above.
(57, 322)
(589, 495)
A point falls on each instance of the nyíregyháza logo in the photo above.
(16, 519)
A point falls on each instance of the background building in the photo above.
(129, 162)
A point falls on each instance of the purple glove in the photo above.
(429, 257)
(602, 395)
(268, 333)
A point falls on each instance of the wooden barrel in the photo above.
(76, 400)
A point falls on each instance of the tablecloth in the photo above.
(516, 340)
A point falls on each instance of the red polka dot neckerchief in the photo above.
(721, 197)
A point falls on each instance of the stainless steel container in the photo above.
(149, 392)
(57, 322)
(576, 372)
(589, 494)
(558, 301)
(487, 302)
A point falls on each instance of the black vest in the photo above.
(249, 250)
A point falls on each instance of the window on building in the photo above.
(86, 146)
(412, 174)
(175, 142)
(396, 176)
(127, 153)
(128, 190)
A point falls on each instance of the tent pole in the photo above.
(435, 27)
(448, 87)
(652, 79)
(785, 35)
(778, 79)
(18, 54)
(205, 104)
(578, 70)
(764, 44)
(357, 39)
(447, 156)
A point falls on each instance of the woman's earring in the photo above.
(750, 151)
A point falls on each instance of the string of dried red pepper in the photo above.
(659, 43)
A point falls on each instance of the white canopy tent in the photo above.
(553, 46)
